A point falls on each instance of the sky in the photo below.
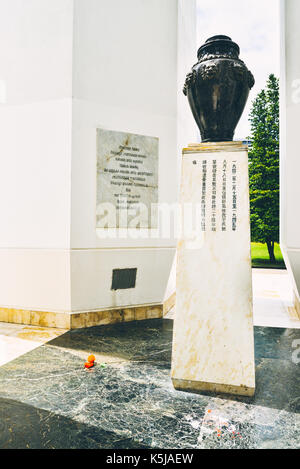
(254, 25)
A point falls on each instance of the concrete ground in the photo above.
(273, 307)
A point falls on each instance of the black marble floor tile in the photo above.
(271, 342)
(142, 341)
(131, 403)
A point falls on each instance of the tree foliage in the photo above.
(264, 166)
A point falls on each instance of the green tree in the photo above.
(264, 166)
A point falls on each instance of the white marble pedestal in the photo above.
(213, 345)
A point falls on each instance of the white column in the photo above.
(36, 39)
(213, 346)
(289, 142)
(69, 67)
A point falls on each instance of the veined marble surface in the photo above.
(48, 399)
(213, 345)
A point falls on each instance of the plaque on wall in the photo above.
(127, 180)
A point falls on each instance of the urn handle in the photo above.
(251, 80)
(190, 79)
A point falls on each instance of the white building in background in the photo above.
(289, 151)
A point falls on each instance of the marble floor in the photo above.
(49, 400)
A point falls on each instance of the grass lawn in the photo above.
(260, 257)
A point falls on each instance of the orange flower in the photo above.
(89, 364)
(91, 358)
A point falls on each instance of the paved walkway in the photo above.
(273, 299)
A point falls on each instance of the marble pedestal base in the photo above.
(213, 345)
(83, 319)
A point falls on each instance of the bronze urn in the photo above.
(218, 89)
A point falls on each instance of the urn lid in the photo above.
(219, 45)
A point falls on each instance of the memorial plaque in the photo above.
(127, 180)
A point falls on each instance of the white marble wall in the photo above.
(289, 141)
(69, 67)
(127, 79)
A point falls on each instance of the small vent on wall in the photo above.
(123, 279)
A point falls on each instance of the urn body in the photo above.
(218, 89)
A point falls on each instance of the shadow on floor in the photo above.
(25, 427)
